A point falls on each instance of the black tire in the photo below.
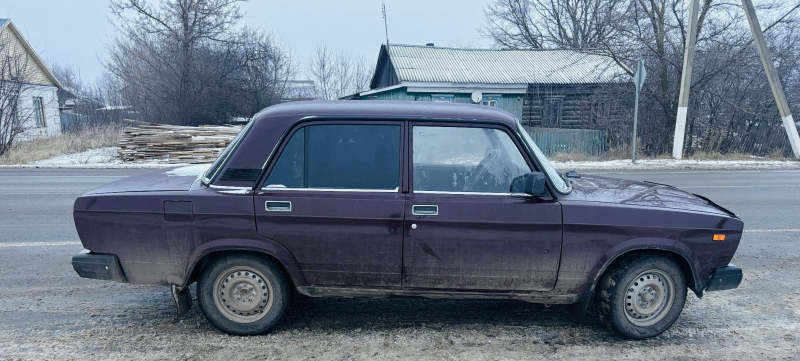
(641, 296)
(257, 294)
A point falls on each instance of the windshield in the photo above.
(209, 175)
(561, 185)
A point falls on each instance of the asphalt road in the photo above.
(48, 312)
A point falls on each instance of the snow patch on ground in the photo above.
(675, 164)
(107, 155)
(188, 171)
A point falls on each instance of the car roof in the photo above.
(382, 109)
(270, 124)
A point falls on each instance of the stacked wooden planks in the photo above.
(163, 143)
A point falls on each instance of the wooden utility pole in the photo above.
(686, 82)
(772, 77)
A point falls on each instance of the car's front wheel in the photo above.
(642, 296)
(243, 294)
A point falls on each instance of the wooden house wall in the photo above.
(570, 107)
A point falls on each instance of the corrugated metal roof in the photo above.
(542, 66)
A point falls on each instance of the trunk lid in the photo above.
(167, 179)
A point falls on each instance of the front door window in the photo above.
(462, 159)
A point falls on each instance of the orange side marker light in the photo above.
(719, 237)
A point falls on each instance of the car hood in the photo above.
(167, 179)
(628, 192)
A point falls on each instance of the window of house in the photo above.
(38, 112)
(551, 111)
(340, 157)
(463, 159)
(15, 120)
(490, 100)
(443, 98)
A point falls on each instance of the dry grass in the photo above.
(73, 142)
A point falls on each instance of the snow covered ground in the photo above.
(92, 158)
(675, 164)
(107, 158)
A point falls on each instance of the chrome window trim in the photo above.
(228, 187)
(396, 190)
(475, 193)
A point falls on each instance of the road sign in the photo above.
(638, 79)
(641, 74)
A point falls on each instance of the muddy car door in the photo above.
(333, 199)
(464, 228)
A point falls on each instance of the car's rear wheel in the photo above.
(642, 296)
(243, 294)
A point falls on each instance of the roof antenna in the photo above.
(385, 25)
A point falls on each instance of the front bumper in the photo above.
(98, 266)
(725, 278)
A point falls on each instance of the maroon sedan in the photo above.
(375, 199)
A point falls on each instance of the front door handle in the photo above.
(278, 206)
(426, 210)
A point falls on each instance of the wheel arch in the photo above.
(680, 259)
(619, 254)
(271, 250)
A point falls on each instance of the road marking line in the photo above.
(772, 230)
(34, 193)
(38, 244)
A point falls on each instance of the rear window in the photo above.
(364, 157)
(223, 157)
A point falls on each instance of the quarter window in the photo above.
(461, 159)
(340, 157)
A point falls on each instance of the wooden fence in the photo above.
(556, 140)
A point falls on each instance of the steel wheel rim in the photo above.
(243, 295)
(649, 298)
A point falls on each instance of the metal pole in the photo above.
(635, 120)
(385, 24)
(686, 82)
(772, 77)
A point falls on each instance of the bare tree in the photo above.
(730, 105)
(184, 61)
(337, 73)
(575, 24)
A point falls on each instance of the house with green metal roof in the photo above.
(522, 82)
(549, 90)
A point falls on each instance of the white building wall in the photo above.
(52, 116)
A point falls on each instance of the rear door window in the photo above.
(358, 157)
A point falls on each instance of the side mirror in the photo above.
(532, 183)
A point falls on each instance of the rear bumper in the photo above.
(725, 278)
(98, 266)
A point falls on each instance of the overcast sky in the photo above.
(75, 32)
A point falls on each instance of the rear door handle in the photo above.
(278, 206)
(425, 210)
